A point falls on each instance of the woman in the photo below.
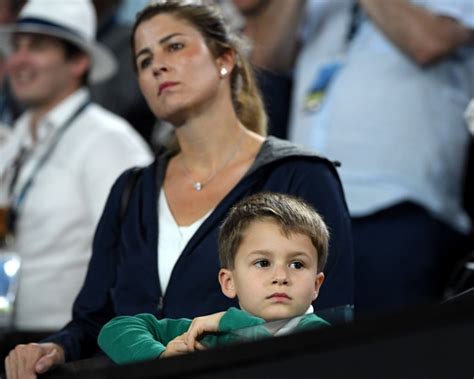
(164, 261)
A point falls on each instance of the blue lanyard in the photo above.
(18, 201)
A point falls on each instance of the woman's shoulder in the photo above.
(282, 165)
(134, 175)
(286, 153)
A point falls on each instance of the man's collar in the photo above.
(51, 121)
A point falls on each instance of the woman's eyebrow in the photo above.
(165, 39)
(168, 37)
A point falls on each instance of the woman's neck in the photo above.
(206, 139)
(203, 147)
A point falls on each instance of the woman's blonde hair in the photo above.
(209, 21)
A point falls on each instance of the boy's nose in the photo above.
(280, 281)
(280, 276)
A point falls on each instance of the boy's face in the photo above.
(274, 276)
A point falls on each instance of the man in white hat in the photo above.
(63, 157)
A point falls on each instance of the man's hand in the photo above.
(199, 326)
(26, 361)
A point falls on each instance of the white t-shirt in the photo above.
(172, 239)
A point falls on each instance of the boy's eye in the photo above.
(298, 265)
(262, 263)
(175, 46)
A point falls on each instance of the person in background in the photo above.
(9, 109)
(391, 111)
(381, 86)
(272, 251)
(161, 256)
(62, 158)
(118, 93)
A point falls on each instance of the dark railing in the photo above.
(435, 341)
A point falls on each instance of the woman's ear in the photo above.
(226, 62)
(226, 281)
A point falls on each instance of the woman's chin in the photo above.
(175, 117)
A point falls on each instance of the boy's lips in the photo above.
(280, 296)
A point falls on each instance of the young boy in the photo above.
(272, 249)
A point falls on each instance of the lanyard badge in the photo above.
(315, 96)
(18, 199)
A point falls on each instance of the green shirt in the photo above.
(127, 339)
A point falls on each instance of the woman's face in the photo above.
(177, 73)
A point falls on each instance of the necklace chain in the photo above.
(198, 185)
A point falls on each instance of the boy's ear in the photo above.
(226, 281)
(317, 284)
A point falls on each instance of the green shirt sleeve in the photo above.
(127, 339)
(312, 321)
(239, 326)
(235, 318)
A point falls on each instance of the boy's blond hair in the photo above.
(291, 214)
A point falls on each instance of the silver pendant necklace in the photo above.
(198, 185)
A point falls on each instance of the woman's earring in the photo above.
(223, 72)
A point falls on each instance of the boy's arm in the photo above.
(235, 319)
(199, 326)
(128, 339)
(225, 323)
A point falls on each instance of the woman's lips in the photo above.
(164, 86)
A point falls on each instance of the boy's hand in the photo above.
(198, 327)
(176, 347)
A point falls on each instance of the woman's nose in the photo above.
(159, 67)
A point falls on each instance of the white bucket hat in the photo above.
(71, 20)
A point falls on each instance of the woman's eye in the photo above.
(144, 63)
(175, 46)
(262, 263)
(298, 265)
